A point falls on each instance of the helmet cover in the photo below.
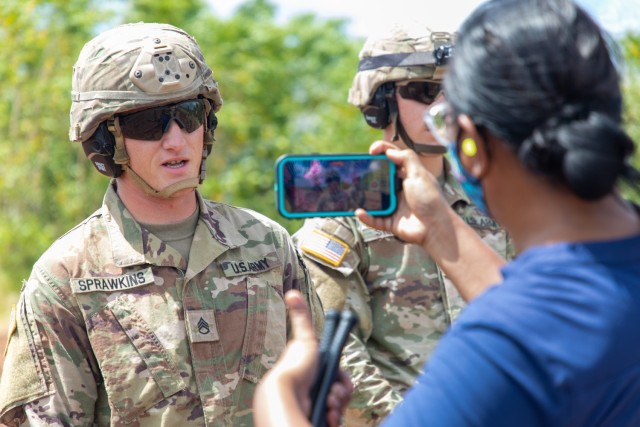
(404, 39)
(133, 67)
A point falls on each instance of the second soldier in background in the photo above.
(403, 300)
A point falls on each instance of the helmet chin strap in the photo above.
(418, 148)
(121, 157)
(166, 192)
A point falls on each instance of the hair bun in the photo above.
(569, 149)
(591, 167)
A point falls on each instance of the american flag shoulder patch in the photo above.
(325, 247)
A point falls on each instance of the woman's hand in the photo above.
(420, 202)
(425, 218)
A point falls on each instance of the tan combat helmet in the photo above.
(403, 52)
(134, 67)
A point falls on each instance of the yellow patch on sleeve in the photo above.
(325, 247)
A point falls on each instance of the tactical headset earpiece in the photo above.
(377, 112)
(212, 124)
(99, 148)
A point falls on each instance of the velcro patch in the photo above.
(112, 284)
(371, 234)
(202, 325)
(325, 247)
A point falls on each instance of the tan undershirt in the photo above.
(178, 235)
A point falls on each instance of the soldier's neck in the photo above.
(156, 210)
(434, 163)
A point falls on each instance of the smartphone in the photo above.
(323, 185)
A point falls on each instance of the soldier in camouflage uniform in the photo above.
(403, 300)
(161, 308)
(335, 198)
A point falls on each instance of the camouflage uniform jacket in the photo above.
(114, 328)
(403, 300)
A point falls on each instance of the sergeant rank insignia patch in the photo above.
(201, 325)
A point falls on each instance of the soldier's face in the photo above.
(174, 157)
(411, 114)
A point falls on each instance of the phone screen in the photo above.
(334, 185)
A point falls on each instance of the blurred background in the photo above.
(284, 70)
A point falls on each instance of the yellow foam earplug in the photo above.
(469, 147)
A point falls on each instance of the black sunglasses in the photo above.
(421, 91)
(152, 123)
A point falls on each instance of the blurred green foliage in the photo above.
(284, 85)
(630, 46)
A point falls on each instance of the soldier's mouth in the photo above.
(175, 164)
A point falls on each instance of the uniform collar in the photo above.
(223, 230)
(131, 246)
(451, 188)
